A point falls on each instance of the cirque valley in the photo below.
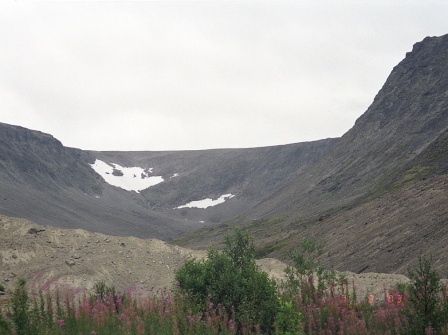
(377, 195)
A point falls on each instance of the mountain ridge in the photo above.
(397, 144)
(383, 135)
(395, 150)
(60, 187)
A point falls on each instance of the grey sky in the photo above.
(206, 74)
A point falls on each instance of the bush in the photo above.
(20, 305)
(101, 289)
(232, 279)
(288, 320)
(305, 272)
(4, 328)
(424, 290)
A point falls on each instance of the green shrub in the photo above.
(306, 275)
(288, 320)
(20, 306)
(101, 289)
(232, 279)
(4, 328)
(424, 291)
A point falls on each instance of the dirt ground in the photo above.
(80, 259)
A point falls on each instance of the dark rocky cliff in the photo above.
(39, 160)
(406, 116)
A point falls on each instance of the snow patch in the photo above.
(207, 202)
(127, 178)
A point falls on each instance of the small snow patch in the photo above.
(128, 178)
(207, 202)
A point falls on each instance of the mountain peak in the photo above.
(408, 113)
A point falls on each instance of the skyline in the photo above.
(191, 75)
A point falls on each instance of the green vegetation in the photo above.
(228, 294)
(415, 173)
(305, 268)
(265, 250)
(101, 289)
(424, 289)
(19, 315)
(231, 278)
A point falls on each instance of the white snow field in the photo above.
(133, 178)
(207, 202)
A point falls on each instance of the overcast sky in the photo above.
(171, 75)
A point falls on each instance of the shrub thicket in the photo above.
(228, 294)
(424, 290)
(20, 306)
(232, 278)
(305, 275)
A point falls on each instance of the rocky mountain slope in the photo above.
(38, 160)
(379, 196)
(50, 184)
(250, 175)
(408, 114)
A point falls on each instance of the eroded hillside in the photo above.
(379, 196)
(80, 259)
(143, 194)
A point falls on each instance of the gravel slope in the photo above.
(81, 258)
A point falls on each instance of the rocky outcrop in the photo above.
(41, 161)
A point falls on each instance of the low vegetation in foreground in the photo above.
(228, 294)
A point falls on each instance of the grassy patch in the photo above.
(412, 175)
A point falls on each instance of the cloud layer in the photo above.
(193, 75)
